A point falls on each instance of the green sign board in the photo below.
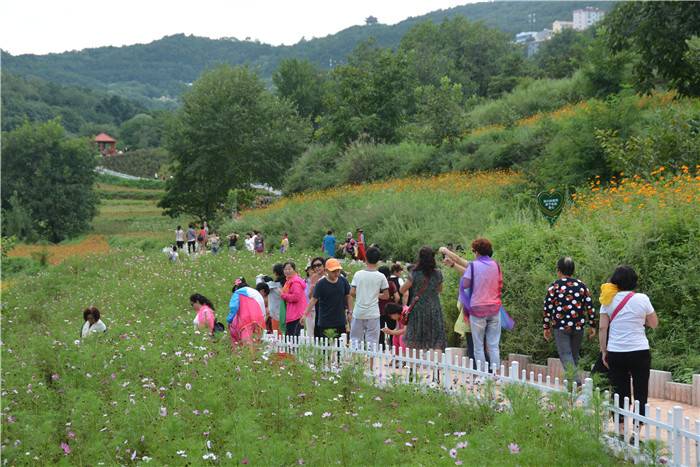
(550, 203)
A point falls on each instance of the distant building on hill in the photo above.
(106, 144)
(532, 40)
(559, 26)
(584, 18)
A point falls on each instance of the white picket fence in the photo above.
(679, 443)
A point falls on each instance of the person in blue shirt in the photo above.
(328, 246)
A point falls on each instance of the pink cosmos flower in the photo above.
(163, 411)
(71, 435)
(462, 445)
(453, 453)
(514, 448)
(55, 377)
(65, 447)
(244, 460)
(458, 462)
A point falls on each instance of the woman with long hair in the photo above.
(205, 312)
(246, 317)
(426, 326)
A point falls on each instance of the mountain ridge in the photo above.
(159, 71)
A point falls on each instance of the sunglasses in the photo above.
(317, 265)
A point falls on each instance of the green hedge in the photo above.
(139, 163)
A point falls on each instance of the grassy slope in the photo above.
(128, 215)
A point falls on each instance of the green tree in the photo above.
(229, 133)
(469, 53)
(50, 178)
(119, 108)
(367, 97)
(143, 131)
(563, 54)
(658, 33)
(606, 72)
(302, 83)
(441, 111)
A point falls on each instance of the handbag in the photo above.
(406, 312)
(599, 366)
(507, 321)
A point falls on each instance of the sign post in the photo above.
(550, 203)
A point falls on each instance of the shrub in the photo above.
(142, 184)
(139, 162)
(527, 99)
(367, 162)
(322, 167)
(314, 170)
(15, 266)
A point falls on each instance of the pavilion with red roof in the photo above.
(106, 144)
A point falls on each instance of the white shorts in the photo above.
(365, 330)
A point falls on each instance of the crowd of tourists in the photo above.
(389, 307)
(379, 306)
(201, 240)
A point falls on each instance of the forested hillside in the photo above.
(82, 111)
(158, 72)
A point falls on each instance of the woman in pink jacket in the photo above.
(205, 318)
(294, 296)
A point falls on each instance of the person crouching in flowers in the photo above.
(205, 312)
(246, 317)
(93, 324)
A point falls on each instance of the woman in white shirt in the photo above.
(179, 237)
(249, 243)
(93, 323)
(623, 316)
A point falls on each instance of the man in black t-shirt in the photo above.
(332, 293)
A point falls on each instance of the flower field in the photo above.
(92, 244)
(479, 183)
(660, 191)
(152, 390)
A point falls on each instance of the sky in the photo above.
(45, 26)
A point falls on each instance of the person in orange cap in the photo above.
(332, 293)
